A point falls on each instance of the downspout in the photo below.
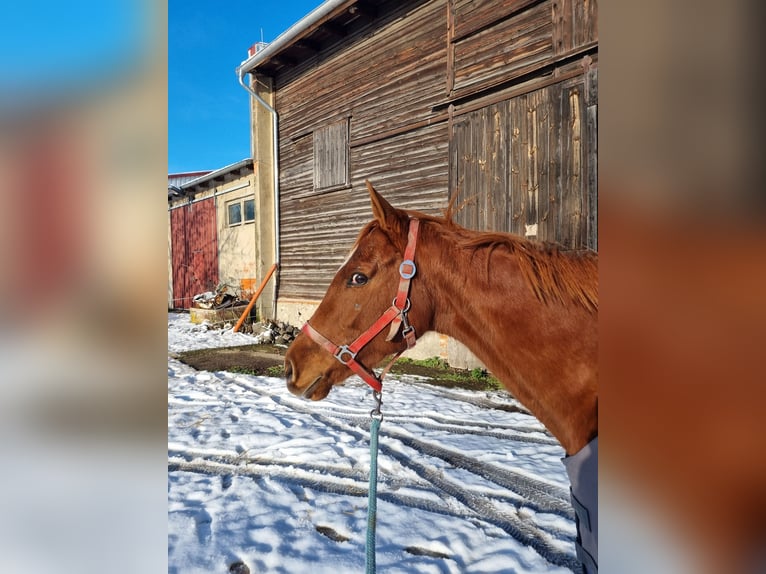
(275, 171)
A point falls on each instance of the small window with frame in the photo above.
(235, 213)
(331, 156)
(249, 205)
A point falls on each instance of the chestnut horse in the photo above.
(528, 310)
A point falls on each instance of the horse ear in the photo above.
(389, 218)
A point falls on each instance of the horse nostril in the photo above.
(288, 370)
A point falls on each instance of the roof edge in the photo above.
(218, 172)
(296, 31)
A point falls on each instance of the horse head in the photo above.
(364, 293)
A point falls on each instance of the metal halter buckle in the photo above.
(407, 274)
(344, 350)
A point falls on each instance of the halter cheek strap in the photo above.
(395, 315)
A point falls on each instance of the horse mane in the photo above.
(552, 272)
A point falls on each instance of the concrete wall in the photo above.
(263, 158)
(237, 254)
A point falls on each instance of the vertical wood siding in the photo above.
(331, 156)
(575, 23)
(527, 165)
(194, 251)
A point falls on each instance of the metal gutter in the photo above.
(291, 34)
(275, 172)
(213, 174)
(249, 66)
(215, 195)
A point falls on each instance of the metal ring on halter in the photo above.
(407, 274)
(344, 350)
(406, 305)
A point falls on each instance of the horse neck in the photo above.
(544, 354)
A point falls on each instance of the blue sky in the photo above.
(208, 122)
(49, 48)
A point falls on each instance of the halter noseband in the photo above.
(395, 315)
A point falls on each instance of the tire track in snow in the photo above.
(548, 497)
(318, 483)
(537, 495)
(479, 429)
(241, 461)
(452, 425)
(481, 402)
(528, 534)
(524, 532)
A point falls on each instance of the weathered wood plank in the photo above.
(498, 161)
(543, 163)
(571, 228)
(503, 49)
(519, 181)
(591, 170)
(555, 164)
(318, 230)
(475, 15)
(388, 79)
(575, 24)
(561, 14)
(533, 186)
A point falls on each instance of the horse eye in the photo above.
(358, 279)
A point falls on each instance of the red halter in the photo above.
(396, 315)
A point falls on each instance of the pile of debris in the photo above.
(275, 333)
(217, 308)
(218, 299)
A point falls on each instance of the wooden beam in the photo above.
(282, 59)
(308, 44)
(334, 29)
(364, 10)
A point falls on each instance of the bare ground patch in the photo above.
(261, 360)
(268, 360)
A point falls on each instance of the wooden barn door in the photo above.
(527, 165)
(195, 251)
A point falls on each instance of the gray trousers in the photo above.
(582, 469)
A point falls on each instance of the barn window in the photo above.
(235, 213)
(331, 156)
(249, 210)
(237, 208)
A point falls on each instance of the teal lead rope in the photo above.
(372, 501)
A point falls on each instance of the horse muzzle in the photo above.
(317, 389)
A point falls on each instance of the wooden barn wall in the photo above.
(493, 42)
(527, 165)
(384, 80)
(194, 251)
(485, 55)
(319, 230)
(526, 162)
(518, 141)
(387, 85)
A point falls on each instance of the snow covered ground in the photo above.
(279, 483)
